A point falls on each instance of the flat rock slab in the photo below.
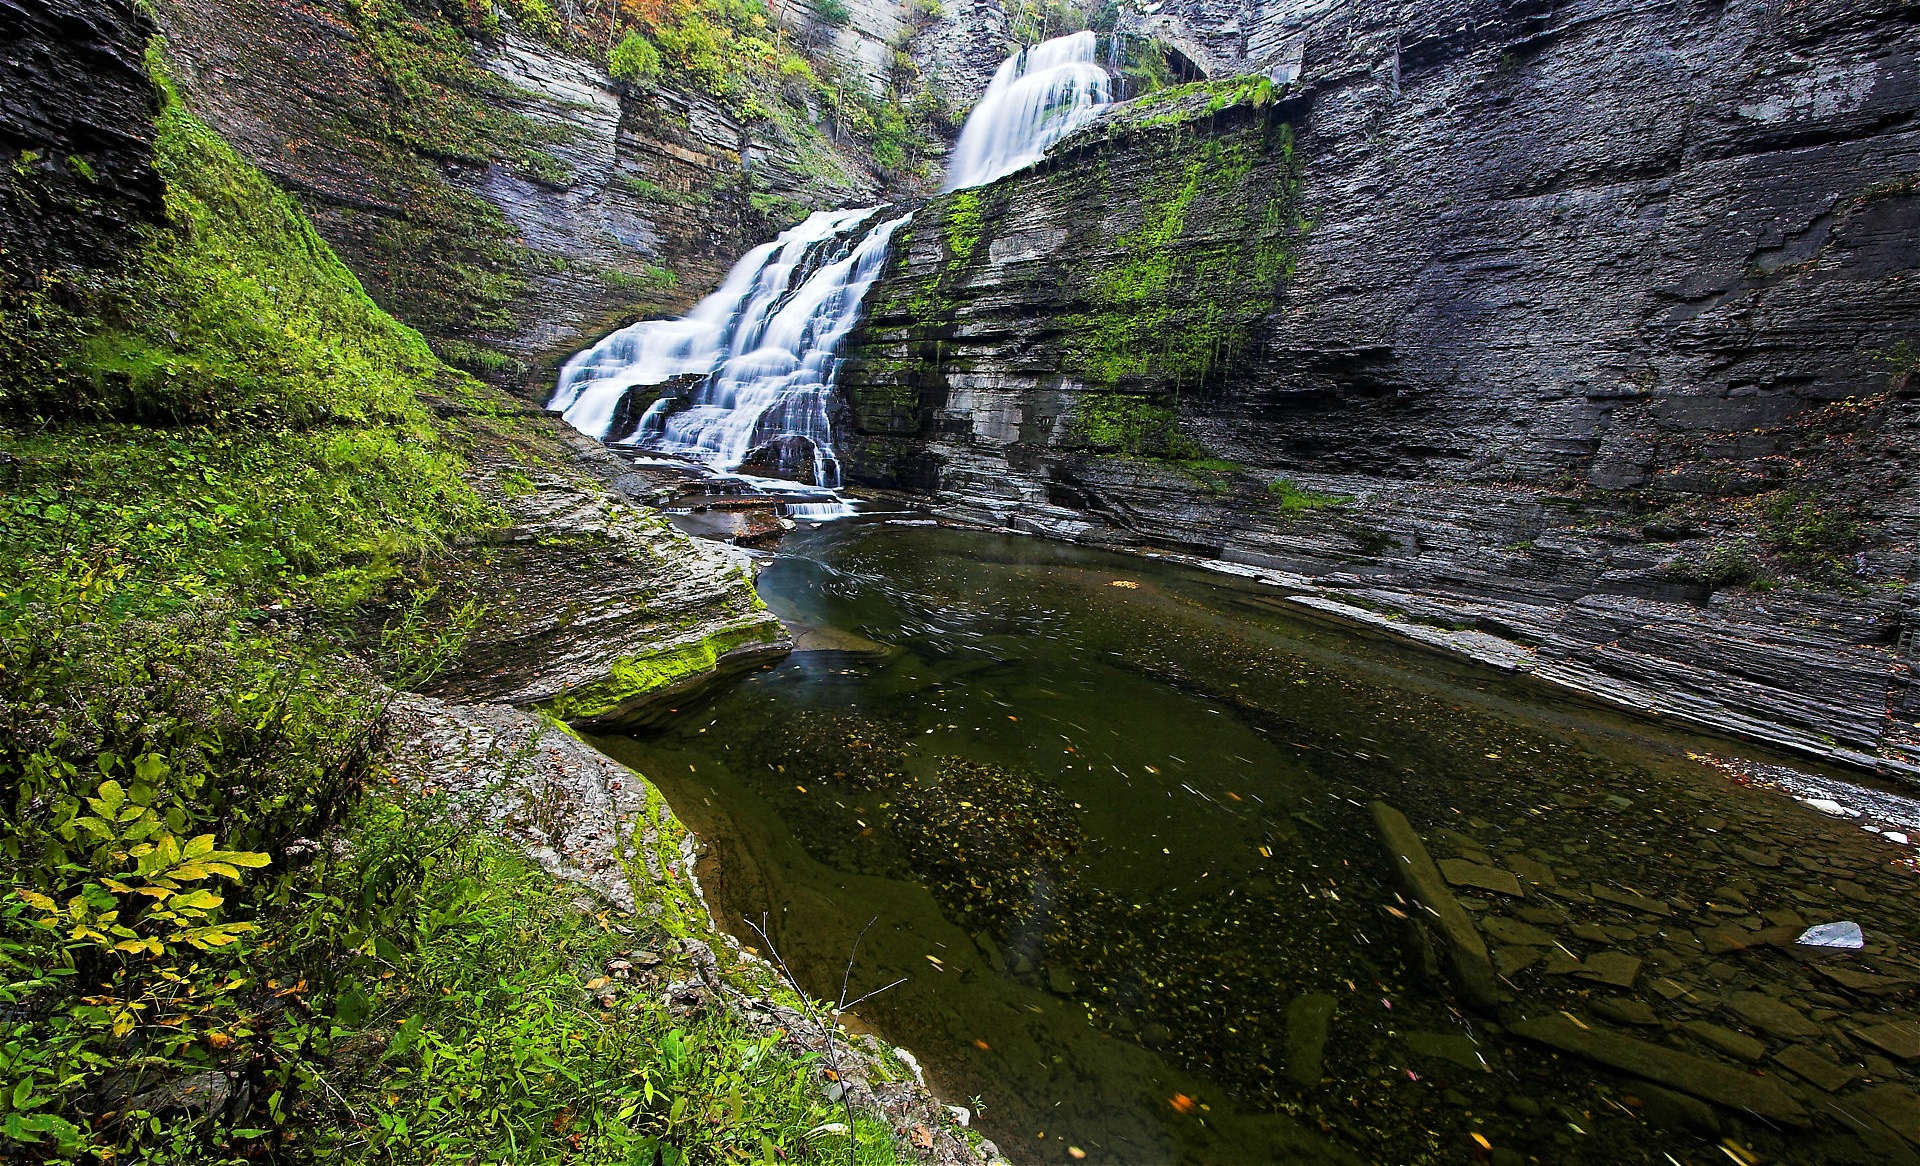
(1462, 873)
(1467, 959)
(1867, 982)
(1503, 930)
(1896, 1106)
(1532, 870)
(1508, 960)
(1707, 1080)
(1626, 1010)
(1457, 1047)
(1631, 899)
(1815, 1068)
(1776, 1017)
(1899, 1039)
(1734, 1044)
(1610, 967)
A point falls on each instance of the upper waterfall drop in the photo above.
(764, 346)
(1038, 96)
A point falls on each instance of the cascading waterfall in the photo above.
(1037, 97)
(746, 379)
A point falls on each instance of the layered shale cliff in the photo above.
(1577, 336)
(510, 200)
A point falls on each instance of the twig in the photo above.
(828, 1025)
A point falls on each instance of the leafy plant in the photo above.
(635, 61)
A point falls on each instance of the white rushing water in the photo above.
(1037, 97)
(766, 342)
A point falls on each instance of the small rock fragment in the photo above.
(1450, 1046)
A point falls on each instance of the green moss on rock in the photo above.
(633, 681)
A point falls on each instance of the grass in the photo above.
(227, 491)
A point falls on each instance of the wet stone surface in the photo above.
(1121, 826)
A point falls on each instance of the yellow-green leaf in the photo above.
(195, 900)
(240, 857)
(36, 900)
(200, 844)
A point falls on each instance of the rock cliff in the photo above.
(1577, 336)
(76, 133)
(511, 201)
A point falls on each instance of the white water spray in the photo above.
(764, 346)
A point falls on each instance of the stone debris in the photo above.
(1708, 1080)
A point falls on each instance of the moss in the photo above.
(1184, 289)
(632, 679)
(1292, 500)
(228, 410)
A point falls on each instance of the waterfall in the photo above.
(744, 382)
(764, 344)
(1038, 96)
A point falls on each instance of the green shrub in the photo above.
(635, 61)
(834, 12)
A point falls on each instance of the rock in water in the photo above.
(1467, 959)
(1307, 1020)
(1845, 934)
(1708, 1080)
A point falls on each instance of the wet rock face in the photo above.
(1580, 290)
(76, 131)
(510, 201)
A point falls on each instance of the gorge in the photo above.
(1311, 581)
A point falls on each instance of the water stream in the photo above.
(1111, 817)
(746, 379)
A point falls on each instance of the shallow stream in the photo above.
(1109, 816)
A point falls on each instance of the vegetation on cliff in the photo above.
(231, 488)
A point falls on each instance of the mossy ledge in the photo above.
(634, 690)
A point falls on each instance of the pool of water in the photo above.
(1109, 817)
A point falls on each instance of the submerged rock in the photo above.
(1467, 959)
(1709, 1080)
(1307, 1020)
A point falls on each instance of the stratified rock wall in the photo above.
(509, 200)
(76, 134)
(1592, 315)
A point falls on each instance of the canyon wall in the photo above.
(76, 134)
(1577, 336)
(511, 201)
